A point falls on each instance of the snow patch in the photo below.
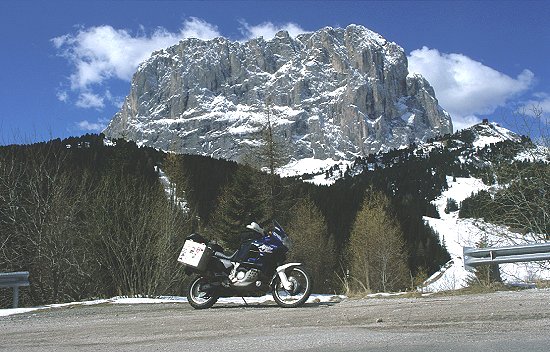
(170, 190)
(314, 298)
(317, 168)
(456, 233)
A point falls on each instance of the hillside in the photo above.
(73, 209)
(454, 173)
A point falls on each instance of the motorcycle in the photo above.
(254, 269)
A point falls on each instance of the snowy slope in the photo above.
(487, 133)
(482, 136)
(315, 170)
(457, 233)
(469, 147)
(170, 190)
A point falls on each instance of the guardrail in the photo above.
(498, 255)
(14, 280)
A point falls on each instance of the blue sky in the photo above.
(67, 65)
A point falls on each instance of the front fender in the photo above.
(286, 266)
(280, 272)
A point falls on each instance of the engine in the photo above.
(244, 277)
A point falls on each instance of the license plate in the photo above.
(191, 253)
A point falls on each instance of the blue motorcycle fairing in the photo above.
(264, 251)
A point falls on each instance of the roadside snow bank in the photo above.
(456, 233)
(314, 298)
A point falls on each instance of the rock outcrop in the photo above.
(335, 93)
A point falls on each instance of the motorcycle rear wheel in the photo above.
(298, 294)
(199, 298)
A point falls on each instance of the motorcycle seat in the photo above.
(221, 255)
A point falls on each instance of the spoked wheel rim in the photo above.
(197, 294)
(198, 297)
(298, 294)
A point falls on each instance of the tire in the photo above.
(197, 298)
(300, 292)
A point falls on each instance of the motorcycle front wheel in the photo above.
(298, 293)
(200, 294)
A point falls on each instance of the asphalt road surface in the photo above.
(502, 321)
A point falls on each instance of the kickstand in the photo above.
(246, 304)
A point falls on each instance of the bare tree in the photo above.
(83, 233)
(312, 244)
(132, 236)
(523, 203)
(272, 150)
(376, 247)
(533, 122)
(40, 221)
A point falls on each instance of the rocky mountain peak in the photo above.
(336, 93)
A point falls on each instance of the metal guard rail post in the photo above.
(14, 280)
(498, 255)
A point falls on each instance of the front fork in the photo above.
(280, 272)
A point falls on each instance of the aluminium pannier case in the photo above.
(195, 255)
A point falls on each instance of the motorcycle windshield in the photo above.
(281, 235)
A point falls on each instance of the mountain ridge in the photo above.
(335, 93)
(468, 145)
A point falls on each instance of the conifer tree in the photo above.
(242, 201)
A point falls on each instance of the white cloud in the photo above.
(87, 126)
(534, 116)
(464, 87)
(101, 53)
(462, 122)
(116, 101)
(62, 96)
(539, 103)
(197, 28)
(267, 30)
(90, 100)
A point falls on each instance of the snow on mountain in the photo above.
(537, 153)
(465, 144)
(332, 94)
(457, 233)
(317, 168)
(487, 133)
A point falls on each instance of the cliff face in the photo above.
(335, 93)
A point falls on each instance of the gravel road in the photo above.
(502, 321)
